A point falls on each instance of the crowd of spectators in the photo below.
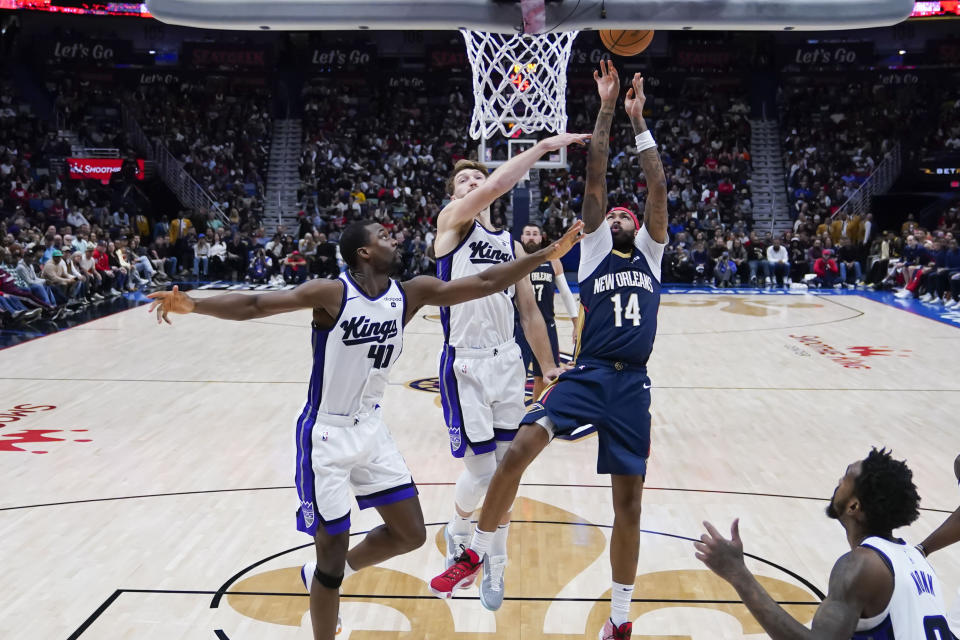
(383, 152)
(221, 134)
(835, 135)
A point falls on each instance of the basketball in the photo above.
(626, 43)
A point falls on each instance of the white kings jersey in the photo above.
(486, 322)
(916, 610)
(352, 359)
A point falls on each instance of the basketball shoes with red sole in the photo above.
(460, 576)
(610, 632)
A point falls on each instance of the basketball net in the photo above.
(519, 82)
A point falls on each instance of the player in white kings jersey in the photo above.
(945, 535)
(883, 589)
(482, 378)
(343, 446)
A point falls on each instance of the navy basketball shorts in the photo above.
(612, 396)
(527, 353)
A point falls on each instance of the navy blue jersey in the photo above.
(542, 279)
(619, 296)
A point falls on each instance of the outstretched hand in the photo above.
(608, 83)
(635, 97)
(564, 140)
(560, 248)
(170, 302)
(723, 557)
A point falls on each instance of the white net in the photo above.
(518, 81)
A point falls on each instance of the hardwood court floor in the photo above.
(149, 469)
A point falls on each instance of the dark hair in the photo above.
(463, 165)
(352, 239)
(886, 491)
(533, 224)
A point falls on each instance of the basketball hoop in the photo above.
(519, 82)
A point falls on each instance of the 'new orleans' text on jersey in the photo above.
(620, 296)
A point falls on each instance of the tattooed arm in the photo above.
(655, 212)
(595, 191)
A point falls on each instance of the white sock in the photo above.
(460, 526)
(481, 541)
(620, 596)
(348, 570)
(499, 545)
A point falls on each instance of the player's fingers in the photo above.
(165, 318)
(596, 76)
(735, 530)
(153, 305)
(701, 557)
(712, 530)
(159, 314)
(701, 547)
(630, 94)
(176, 288)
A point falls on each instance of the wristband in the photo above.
(645, 141)
(921, 549)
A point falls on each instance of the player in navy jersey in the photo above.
(343, 446)
(544, 279)
(882, 589)
(608, 386)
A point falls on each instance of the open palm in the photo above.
(608, 82)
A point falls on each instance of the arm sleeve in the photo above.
(594, 247)
(651, 250)
(567, 296)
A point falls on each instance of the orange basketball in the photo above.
(626, 43)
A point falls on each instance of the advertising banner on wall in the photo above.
(102, 169)
(212, 54)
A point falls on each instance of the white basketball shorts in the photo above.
(340, 457)
(482, 393)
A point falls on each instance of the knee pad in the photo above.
(473, 482)
(327, 580)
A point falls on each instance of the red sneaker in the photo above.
(459, 576)
(611, 632)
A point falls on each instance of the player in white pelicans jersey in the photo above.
(482, 379)
(945, 535)
(343, 446)
(883, 589)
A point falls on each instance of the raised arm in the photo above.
(655, 211)
(595, 190)
(461, 212)
(322, 294)
(857, 582)
(429, 290)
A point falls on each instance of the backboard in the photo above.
(505, 16)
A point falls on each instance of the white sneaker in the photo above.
(903, 293)
(927, 297)
(306, 577)
(950, 305)
(455, 546)
(491, 586)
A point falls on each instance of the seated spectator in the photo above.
(34, 283)
(260, 266)
(218, 256)
(114, 277)
(724, 270)
(55, 273)
(828, 274)
(201, 256)
(294, 268)
(848, 259)
(778, 263)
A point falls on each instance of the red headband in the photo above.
(636, 223)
